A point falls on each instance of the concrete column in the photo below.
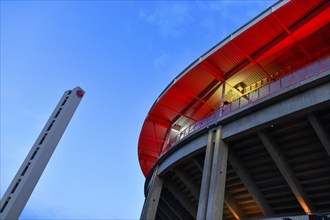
(229, 200)
(151, 202)
(204, 192)
(212, 191)
(218, 178)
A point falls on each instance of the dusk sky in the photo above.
(123, 54)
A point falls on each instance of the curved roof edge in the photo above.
(279, 39)
(230, 37)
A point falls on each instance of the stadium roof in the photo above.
(280, 40)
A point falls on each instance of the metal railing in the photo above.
(293, 78)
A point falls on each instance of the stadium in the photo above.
(243, 132)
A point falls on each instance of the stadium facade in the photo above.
(244, 131)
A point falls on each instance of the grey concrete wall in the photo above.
(182, 152)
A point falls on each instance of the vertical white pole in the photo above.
(20, 189)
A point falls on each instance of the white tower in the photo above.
(20, 189)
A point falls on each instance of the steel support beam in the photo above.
(171, 203)
(233, 207)
(177, 112)
(249, 183)
(161, 215)
(204, 95)
(159, 121)
(170, 208)
(170, 214)
(181, 197)
(199, 164)
(287, 172)
(194, 96)
(151, 202)
(321, 131)
(212, 70)
(252, 60)
(187, 181)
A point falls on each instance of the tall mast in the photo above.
(28, 175)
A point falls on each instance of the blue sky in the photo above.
(123, 54)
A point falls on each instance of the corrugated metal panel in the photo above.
(192, 82)
(317, 41)
(272, 68)
(258, 36)
(301, 9)
(265, 42)
(227, 57)
(289, 57)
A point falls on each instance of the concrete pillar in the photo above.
(204, 192)
(212, 193)
(229, 200)
(151, 201)
(218, 178)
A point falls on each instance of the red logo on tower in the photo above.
(80, 93)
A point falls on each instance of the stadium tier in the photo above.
(244, 131)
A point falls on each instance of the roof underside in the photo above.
(284, 38)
